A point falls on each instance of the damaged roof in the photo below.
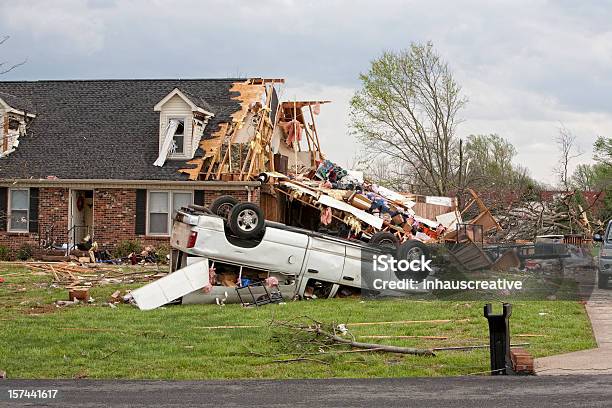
(18, 103)
(104, 129)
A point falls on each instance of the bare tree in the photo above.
(406, 111)
(566, 143)
(5, 66)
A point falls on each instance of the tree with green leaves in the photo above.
(489, 164)
(406, 112)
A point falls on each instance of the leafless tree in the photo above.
(568, 150)
(5, 66)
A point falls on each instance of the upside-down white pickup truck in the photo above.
(243, 247)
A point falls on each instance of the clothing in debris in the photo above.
(326, 216)
(329, 170)
(293, 129)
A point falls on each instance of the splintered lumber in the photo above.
(479, 346)
(404, 337)
(226, 327)
(71, 275)
(407, 322)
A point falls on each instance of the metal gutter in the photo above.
(110, 183)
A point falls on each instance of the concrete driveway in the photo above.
(594, 361)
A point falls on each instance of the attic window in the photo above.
(179, 136)
(13, 124)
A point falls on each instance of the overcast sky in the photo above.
(526, 66)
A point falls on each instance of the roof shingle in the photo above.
(104, 129)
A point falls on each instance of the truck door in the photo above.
(324, 262)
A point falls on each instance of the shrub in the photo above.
(24, 252)
(126, 247)
(5, 253)
(162, 252)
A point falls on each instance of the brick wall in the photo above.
(114, 217)
(52, 220)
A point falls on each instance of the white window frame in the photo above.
(10, 210)
(170, 209)
(183, 154)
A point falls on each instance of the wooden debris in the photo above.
(404, 337)
(69, 274)
(407, 322)
(530, 335)
(467, 348)
(79, 293)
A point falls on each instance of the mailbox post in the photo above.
(499, 339)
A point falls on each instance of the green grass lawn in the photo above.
(39, 340)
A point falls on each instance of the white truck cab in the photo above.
(604, 259)
(301, 263)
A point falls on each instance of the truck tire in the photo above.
(412, 250)
(223, 205)
(602, 281)
(384, 240)
(246, 220)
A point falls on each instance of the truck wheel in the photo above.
(246, 220)
(602, 281)
(385, 240)
(223, 205)
(413, 250)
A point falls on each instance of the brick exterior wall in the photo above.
(52, 220)
(114, 217)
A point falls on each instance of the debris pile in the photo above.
(67, 274)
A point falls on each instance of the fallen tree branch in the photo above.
(380, 347)
(317, 330)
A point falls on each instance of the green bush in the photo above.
(5, 253)
(24, 252)
(126, 247)
(162, 252)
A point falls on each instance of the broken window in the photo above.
(19, 210)
(163, 206)
(179, 136)
(13, 124)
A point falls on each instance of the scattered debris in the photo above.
(522, 361)
(316, 329)
(70, 274)
(80, 293)
(60, 303)
(404, 337)
(467, 348)
(408, 322)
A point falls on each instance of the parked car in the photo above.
(243, 248)
(604, 259)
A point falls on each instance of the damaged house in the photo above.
(115, 159)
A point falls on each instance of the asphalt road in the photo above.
(458, 392)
